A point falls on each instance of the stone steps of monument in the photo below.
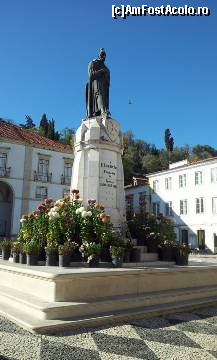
(141, 264)
(142, 248)
(24, 309)
(148, 257)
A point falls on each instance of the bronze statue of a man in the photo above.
(97, 88)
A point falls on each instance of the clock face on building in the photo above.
(112, 128)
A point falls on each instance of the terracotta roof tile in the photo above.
(14, 132)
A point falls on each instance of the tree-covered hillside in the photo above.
(141, 158)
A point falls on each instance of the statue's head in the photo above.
(102, 54)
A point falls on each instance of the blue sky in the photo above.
(166, 66)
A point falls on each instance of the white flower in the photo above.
(22, 220)
(89, 213)
(53, 214)
(84, 214)
(80, 210)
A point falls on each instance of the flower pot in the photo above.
(182, 260)
(76, 257)
(140, 235)
(42, 254)
(93, 263)
(166, 254)
(64, 260)
(31, 259)
(135, 255)
(126, 256)
(152, 247)
(5, 254)
(105, 254)
(117, 262)
(15, 258)
(175, 253)
(22, 258)
(51, 260)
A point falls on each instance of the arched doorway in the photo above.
(6, 204)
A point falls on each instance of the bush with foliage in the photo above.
(5, 245)
(117, 251)
(67, 224)
(67, 248)
(31, 248)
(183, 250)
(16, 247)
(155, 229)
(90, 250)
(51, 249)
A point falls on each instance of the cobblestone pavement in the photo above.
(186, 336)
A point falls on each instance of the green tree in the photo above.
(180, 153)
(47, 128)
(169, 142)
(151, 163)
(128, 165)
(29, 124)
(67, 136)
(51, 130)
(43, 125)
(200, 152)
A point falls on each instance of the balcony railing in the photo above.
(65, 180)
(47, 177)
(5, 172)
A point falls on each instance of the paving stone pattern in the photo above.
(184, 336)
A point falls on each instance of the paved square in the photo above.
(187, 336)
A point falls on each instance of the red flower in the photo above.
(75, 191)
(48, 201)
(41, 207)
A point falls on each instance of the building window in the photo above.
(4, 171)
(201, 239)
(199, 206)
(41, 192)
(214, 175)
(183, 207)
(214, 205)
(129, 204)
(156, 208)
(155, 185)
(66, 177)
(198, 177)
(168, 183)
(3, 160)
(43, 171)
(182, 180)
(168, 208)
(142, 200)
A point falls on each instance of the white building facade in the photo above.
(186, 193)
(138, 196)
(31, 169)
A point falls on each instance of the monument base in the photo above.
(97, 169)
(87, 297)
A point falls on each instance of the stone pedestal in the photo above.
(98, 170)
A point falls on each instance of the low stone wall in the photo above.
(54, 284)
